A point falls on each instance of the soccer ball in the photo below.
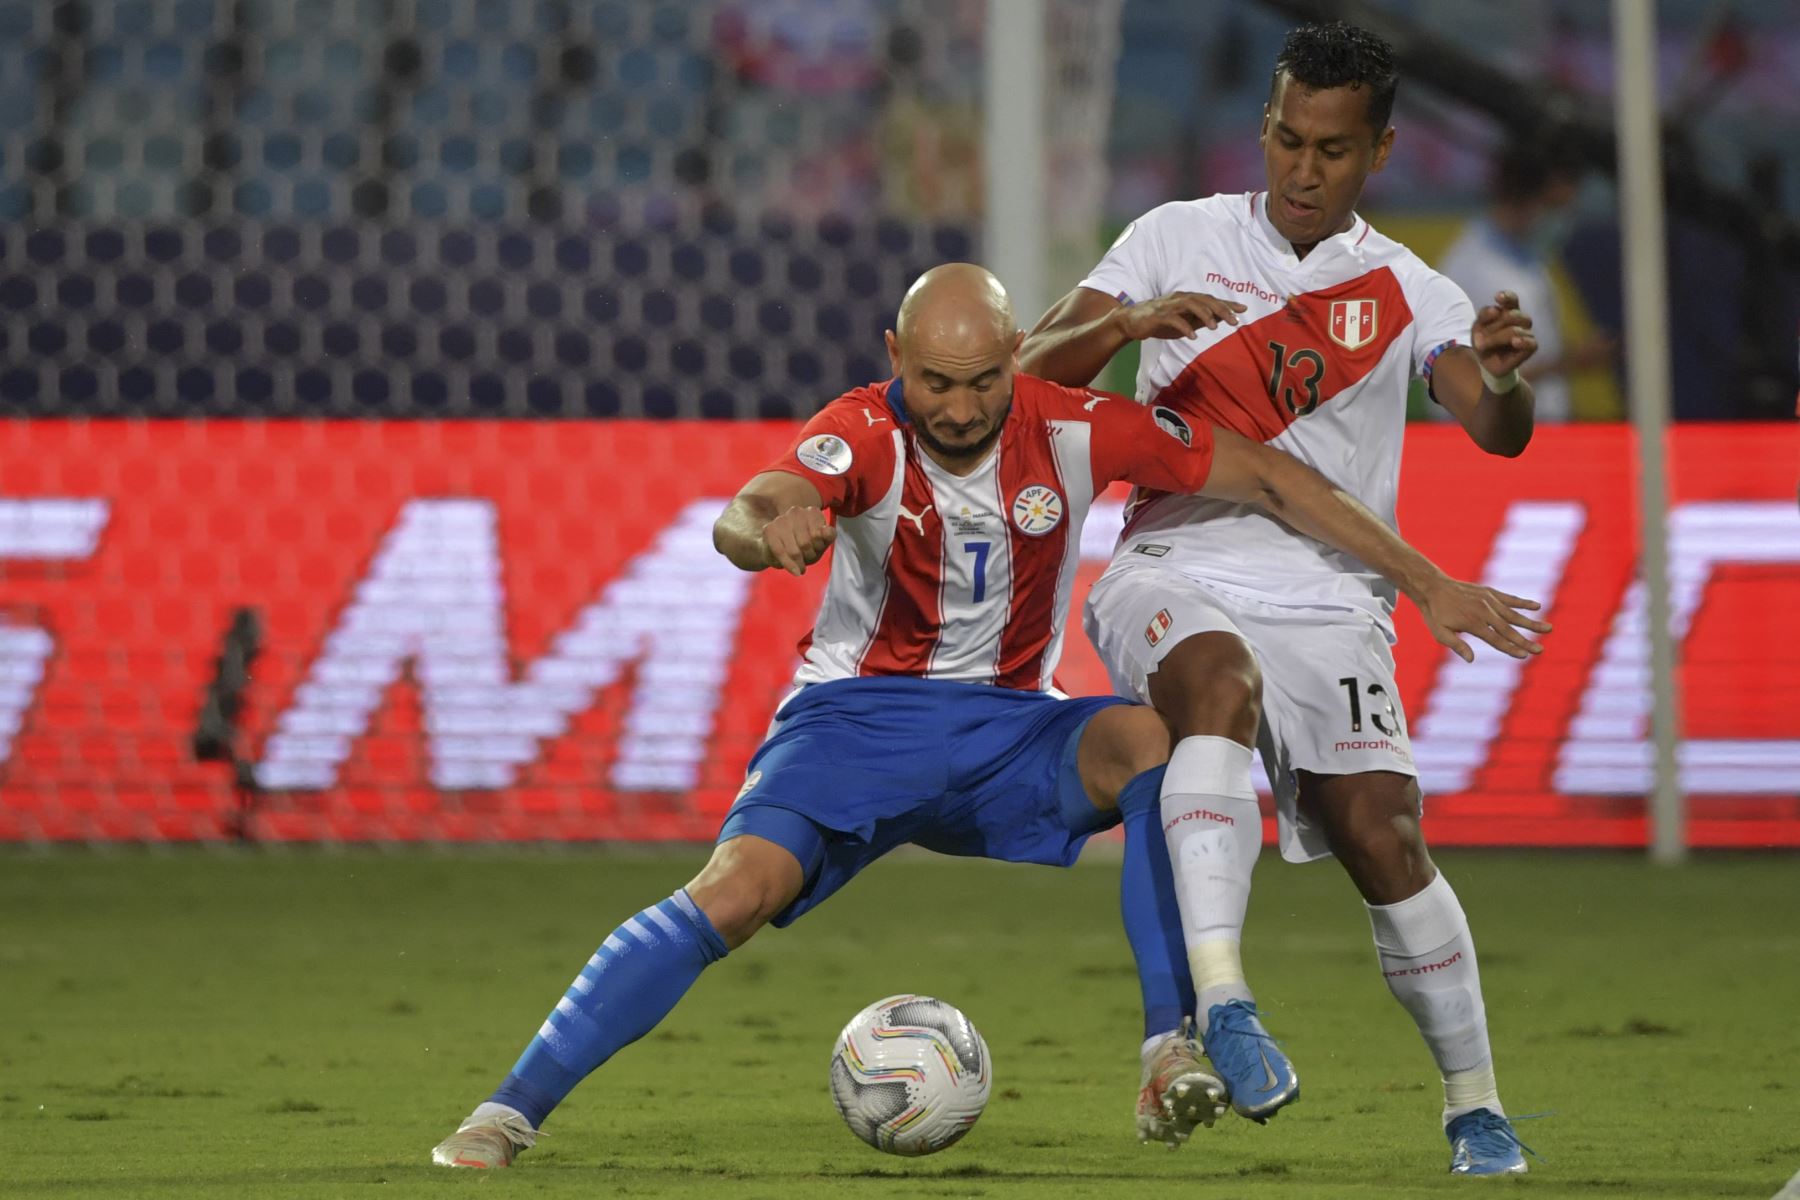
(910, 1075)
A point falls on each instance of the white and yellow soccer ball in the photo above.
(910, 1075)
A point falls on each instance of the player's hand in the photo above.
(797, 539)
(1451, 607)
(1177, 315)
(1502, 335)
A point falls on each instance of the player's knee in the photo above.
(1391, 865)
(1210, 685)
(745, 884)
(1118, 745)
(1144, 741)
(1374, 831)
(1392, 840)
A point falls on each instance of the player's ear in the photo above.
(1262, 133)
(1018, 343)
(1384, 145)
(893, 349)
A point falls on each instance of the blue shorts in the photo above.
(855, 767)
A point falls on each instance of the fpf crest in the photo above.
(1353, 322)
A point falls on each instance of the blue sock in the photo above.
(1152, 914)
(631, 983)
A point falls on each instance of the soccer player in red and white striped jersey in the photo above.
(965, 575)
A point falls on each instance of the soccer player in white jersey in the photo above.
(926, 711)
(1280, 314)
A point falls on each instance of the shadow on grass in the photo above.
(1276, 1179)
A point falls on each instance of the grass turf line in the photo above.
(308, 1025)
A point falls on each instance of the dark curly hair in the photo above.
(1335, 55)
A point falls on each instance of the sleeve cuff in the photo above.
(1425, 367)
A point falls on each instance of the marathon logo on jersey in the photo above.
(1353, 323)
(827, 454)
(1374, 744)
(754, 778)
(1243, 287)
(1159, 625)
(1037, 510)
(1171, 423)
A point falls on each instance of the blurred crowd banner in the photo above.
(519, 631)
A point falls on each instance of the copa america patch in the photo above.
(1037, 510)
(1159, 625)
(1171, 423)
(827, 454)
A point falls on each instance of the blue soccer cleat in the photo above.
(1261, 1079)
(1482, 1142)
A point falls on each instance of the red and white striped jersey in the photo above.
(969, 577)
(1318, 366)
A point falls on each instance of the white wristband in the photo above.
(1498, 384)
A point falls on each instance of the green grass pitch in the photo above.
(308, 1025)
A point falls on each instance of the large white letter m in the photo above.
(434, 597)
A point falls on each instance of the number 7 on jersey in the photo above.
(978, 591)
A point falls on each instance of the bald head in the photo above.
(958, 307)
(954, 349)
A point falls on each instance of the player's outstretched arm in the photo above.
(1481, 385)
(777, 520)
(1248, 472)
(1079, 335)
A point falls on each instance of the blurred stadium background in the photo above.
(373, 369)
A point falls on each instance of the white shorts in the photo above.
(1329, 701)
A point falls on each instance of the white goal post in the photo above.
(1048, 88)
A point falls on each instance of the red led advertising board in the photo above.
(520, 631)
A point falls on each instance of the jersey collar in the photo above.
(1350, 239)
(897, 402)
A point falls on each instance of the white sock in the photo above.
(1428, 958)
(1214, 830)
(487, 1108)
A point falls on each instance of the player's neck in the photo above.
(958, 464)
(1302, 249)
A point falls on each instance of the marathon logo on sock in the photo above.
(1159, 625)
(1200, 814)
(1427, 969)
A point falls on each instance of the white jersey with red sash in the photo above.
(969, 578)
(1318, 366)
